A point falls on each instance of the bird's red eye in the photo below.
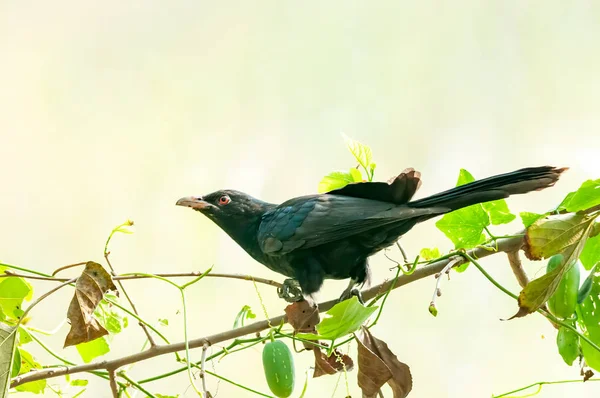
(223, 200)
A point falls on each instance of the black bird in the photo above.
(331, 236)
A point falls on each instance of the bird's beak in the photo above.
(195, 202)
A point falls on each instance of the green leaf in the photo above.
(356, 175)
(344, 318)
(567, 342)
(429, 254)
(588, 195)
(372, 171)
(498, 212)
(591, 252)
(166, 396)
(245, 313)
(586, 287)
(93, 349)
(464, 177)
(335, 180)
(8, 339)
(163, 322)
(109, 316)
(589, 321)
(79, 382)
(562, 207)
(24, 336)
(16, 366)
(361, 152)
(28, 363)
(529, 218)
(563, 233)
(464, 227)
(12, 293)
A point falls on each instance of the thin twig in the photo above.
(517, 268)
(43, 296)
(135, 311)
(446, 270)
(56, 271)
(113, 383)
(404, 256)
(8, 273)
(202, 364)
(504, 245)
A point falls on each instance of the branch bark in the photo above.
(505, 245)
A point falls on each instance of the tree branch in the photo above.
(517, 268)
(113, 383)
(502, 245)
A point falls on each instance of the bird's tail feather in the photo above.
(492, 188)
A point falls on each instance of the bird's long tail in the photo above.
(492, 188)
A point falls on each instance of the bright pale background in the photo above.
(113, 110)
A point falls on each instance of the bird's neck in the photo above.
(244, 230)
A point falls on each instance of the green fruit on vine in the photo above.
(568, 344)
(564, 300)
(278, 364)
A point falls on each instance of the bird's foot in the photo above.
(348, 293)
(290, 291)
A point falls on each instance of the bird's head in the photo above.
(227, 208)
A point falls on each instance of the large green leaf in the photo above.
(29, 363)
(344, 318)
(566, 234)
(591, 252)
(8, 339)
(498, 212)
(12, 293)
(93, 349)
(587, 196)
(555, 234)
(464, 227)
(589, 321)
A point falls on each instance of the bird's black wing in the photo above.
(315, 220)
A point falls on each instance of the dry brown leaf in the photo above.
(89, 290)
(302, 316)
(332, 364)
(378, 365)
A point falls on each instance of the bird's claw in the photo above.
(290, 291)
(348, 293)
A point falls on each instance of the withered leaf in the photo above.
(378, 365)
(555, 234)
(302, 316)
(89, 290)
(328, 365)
(563, 233)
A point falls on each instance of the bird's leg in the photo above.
(290, 291)
(350, 291)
